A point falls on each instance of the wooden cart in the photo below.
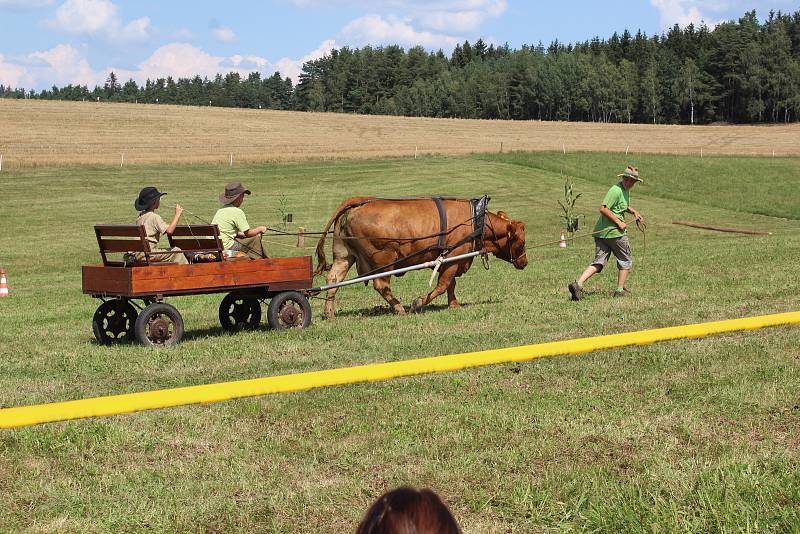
(133, 276)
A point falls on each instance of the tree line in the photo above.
(743, 71)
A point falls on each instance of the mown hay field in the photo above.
(44, 133)
(694, 436)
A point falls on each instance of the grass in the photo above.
(692, 435)
(111, 134)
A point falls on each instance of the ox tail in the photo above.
(322, 264)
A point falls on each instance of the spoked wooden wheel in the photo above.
(239, 312)
(113, 321)
(159, 325)
(289, 309)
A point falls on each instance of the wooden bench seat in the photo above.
(200, 242)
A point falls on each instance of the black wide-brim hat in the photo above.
(147, 198)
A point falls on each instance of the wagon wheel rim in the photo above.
(239, 312)
(242, 312)
(291, 314)
(160, 329)
(115, 320)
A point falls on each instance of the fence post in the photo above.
(301, 237)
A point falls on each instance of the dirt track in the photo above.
(34, 133)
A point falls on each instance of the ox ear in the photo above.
(503, 215)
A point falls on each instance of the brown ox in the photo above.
(380, 235)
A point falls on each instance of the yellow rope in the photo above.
(203, 394)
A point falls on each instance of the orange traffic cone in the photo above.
(563, 242)
(3, 283)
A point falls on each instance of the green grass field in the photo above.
(695, 436)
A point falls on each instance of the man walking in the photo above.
(610, 235)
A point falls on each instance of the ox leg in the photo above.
(337, 273)
(381, 285)
(451, 294)
(446, 279)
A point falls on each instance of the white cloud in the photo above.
(98, 17)
(62, 65)
(136, 30)
(11, 75)
(439, 15)
(85, 16)
(374, 29)
(292, 67)
(223, 34)
(685, 12)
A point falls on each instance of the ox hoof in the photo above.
(416, 306)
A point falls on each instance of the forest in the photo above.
(744, 71)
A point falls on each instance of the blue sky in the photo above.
(46, 42)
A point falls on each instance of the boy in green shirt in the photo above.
(234, 230)
(610, 234)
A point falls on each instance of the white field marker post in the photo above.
(626, 149)
(415, 151)
(122, 160)
(701, 152)
(231, 159)
(773, 154)
(1, 162)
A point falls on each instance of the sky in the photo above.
(60, 42)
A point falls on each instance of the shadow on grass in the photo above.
(381, 310)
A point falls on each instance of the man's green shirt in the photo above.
(617, 200)
(230, 220)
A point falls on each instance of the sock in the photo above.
(579, 284)
(620, 290)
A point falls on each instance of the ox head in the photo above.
(509, 240)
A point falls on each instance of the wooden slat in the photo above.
(274, 266)
(117, 230)
(123, 245)
(201, 230)
(193, 245)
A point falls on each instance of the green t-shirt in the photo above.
(231, 221)
(617, 200)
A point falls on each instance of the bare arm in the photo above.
(252, 232)
(616, 220)
(636, 214)
(175, 219)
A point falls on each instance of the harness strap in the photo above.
(442, 223)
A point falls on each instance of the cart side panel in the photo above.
(283, 273)
(278, 274)
(102, 280)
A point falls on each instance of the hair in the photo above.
(408, 511)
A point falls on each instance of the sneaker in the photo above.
(575, 290)
(624, 293)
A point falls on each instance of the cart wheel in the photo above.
(113, 321)
(289, 309)
(237, 312)
(159, 325)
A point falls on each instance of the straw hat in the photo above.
(632, 173)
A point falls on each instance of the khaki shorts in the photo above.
(619, 246)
